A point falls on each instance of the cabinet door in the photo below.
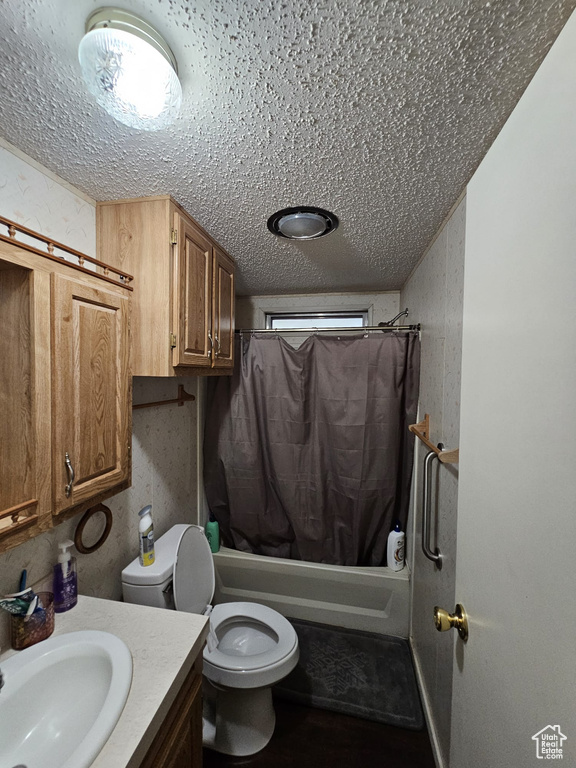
(192, 289)
(91, 391)
(179, 741)
(25, 481)
(223, 310)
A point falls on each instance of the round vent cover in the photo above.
(302, 223)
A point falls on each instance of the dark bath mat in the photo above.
(356, 673)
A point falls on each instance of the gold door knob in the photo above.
(445, 621)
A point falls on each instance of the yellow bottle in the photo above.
(146, 535)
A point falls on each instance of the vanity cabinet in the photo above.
(179, 740)
(65, 389)
(183, 309)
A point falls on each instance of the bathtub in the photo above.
(369, 599)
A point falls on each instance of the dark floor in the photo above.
(309, 738)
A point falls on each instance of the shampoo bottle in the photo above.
(213, 534)
(146, 536)
(65, 579)
(395, 551)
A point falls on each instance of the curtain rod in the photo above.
(359, 329)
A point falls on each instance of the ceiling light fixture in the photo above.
(302, 223)
(130, 69)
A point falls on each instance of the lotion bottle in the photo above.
(146, 536)
(65, 579)
(395, 551)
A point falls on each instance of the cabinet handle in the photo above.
(71, 475)
(211, 344)
(217, 342)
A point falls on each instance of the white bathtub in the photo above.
(370, 599)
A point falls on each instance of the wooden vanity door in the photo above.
(178, 743)
(91, 386)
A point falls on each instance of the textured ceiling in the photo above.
(378, 110)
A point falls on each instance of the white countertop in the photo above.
(164, 645)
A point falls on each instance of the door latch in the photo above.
(457, 620)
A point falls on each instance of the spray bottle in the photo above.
(146, 536)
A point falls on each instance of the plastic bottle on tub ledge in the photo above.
(146, 536)
(395, 550)
(213, 534)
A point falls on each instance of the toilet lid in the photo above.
(193, 572)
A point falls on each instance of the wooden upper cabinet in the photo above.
(183, 305)
(192, 290)
(65, 384)
(25, 482)
(91, 391)
(223, 310)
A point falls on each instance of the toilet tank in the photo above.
(152, 584)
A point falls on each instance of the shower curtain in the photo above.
(307, 453)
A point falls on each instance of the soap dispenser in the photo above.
(65, 579)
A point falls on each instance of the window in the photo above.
(312, 320)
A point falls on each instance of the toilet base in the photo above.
(237, 721)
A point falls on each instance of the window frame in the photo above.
(302, 319)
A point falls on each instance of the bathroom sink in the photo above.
(61, 700)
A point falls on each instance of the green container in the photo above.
(213, 535)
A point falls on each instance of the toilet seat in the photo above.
(193, 584)
(239, 613)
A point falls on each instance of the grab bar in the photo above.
(436, 557)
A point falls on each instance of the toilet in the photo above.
(250, 646)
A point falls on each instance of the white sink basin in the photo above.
(61, 700)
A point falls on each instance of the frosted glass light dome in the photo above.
(302, 223)
(301, 226)
(130, 70)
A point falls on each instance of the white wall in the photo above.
(516, 563)
(434, 295)
(251, 310)
(34, 197)
(164, 439)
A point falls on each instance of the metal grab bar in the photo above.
(436, 557)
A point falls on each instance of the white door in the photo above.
(516, 556)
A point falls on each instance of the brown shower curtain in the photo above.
(307, 453)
